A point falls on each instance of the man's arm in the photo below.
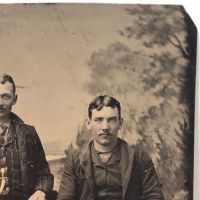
(44, 177)
(151, 188)
(68, 187)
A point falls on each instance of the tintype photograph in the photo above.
(96, 102)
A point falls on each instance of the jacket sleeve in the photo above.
(151, 188)
(68, 189)
(44, 180)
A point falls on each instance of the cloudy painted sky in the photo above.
(46, 49)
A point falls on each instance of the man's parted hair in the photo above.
(7, 78)
(103, 101)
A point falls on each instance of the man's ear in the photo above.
(15, 99)
(88, 123)
(121, 122)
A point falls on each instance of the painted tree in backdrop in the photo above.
(171, 29)
(155, 85)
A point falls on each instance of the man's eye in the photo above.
(98, 120)
(6, 97)
(113, 120)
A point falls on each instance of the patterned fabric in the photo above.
(28, 168)
(13, 164)
(4, 187)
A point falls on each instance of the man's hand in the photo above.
(38, 195)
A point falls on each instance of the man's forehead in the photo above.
(6, 87)
(105, 111)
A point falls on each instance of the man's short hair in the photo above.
(7, 78)
(103, 101)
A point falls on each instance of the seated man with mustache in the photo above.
(24, 171)
(109, 168)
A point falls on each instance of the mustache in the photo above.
(105, 133)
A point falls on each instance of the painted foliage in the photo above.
(154, 81)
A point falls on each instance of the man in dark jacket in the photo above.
(109, 168)
(24, 171)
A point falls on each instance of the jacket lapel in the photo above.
(127, 153)
(86, 164)
(126, 164)
(18, 134)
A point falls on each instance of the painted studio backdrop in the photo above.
(62, 55)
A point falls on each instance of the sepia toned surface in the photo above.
(46, 49)
(62, 55)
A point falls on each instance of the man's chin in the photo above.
(3, 114)
(105, 142)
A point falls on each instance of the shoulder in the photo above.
(137, 149)
(78, 156)
(139, 153)
(26, 128)
(19, 124)
(73, 153)
(142, 157)
(72, 160)
(126, 148)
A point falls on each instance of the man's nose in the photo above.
(1, 100)
(105, 125)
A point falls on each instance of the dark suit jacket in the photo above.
(139, 179)
(35, 172)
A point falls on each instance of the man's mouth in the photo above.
(105, 134)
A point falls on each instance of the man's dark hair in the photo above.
(103, 101)
(7, 78)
